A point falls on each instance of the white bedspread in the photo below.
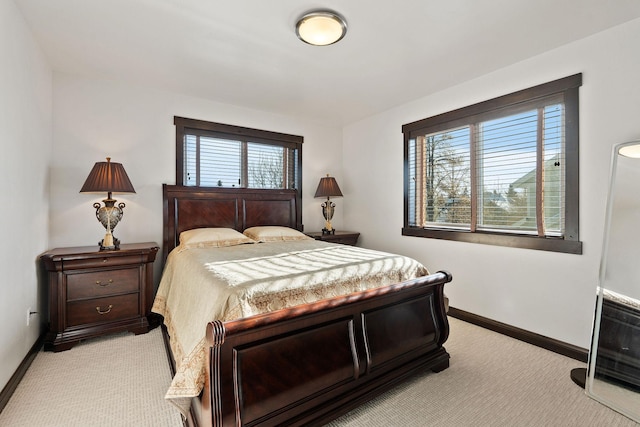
(201, 285)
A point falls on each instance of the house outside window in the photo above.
(502, 172)
(212, 154)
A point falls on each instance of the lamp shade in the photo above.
(328, 187)
(107, 176)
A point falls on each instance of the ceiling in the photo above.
(245, 52)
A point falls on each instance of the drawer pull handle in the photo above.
(99, 283)
(100, 312)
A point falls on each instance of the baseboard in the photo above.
(15, 379)
(569, 350)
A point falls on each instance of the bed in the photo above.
(308, 363)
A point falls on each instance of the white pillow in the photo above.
(272, 233)
(212, 238)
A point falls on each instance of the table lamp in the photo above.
(112, 178)
(328, 187)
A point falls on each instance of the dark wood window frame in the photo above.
(185, 125)
(568, 87)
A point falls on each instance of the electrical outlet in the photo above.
(28, 316)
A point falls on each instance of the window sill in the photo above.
(509, 240)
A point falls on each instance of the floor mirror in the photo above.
(613, 373)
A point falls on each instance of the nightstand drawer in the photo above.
(102, 283)
(105, 261)
(99, 310)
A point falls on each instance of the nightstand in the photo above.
(94, 292)
(343, 237)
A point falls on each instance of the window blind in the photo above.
(501, 174)
(214, 161)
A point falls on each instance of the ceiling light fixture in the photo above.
(321, 28)
(631, 149)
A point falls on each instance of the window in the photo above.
(502, 172)
(218, 155)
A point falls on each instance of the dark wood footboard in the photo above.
(312, 363)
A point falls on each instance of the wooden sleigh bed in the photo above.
(311, 363)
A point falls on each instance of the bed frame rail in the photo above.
(312, 363)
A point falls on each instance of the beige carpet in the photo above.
(493, 380)
(119, 380)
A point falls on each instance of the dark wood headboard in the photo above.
(185, 208)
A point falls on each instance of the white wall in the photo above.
(133, 125)
(547, 293)
(25, 139)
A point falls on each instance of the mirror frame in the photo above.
(627, 149)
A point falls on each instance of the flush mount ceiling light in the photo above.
(631, 149)
(321, 28)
